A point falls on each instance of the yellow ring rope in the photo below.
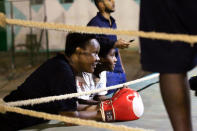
(192, 39)
(77, 121)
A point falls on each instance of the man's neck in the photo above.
(106, 16)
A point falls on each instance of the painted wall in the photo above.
(77, 13)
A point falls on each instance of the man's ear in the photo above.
(78, 50)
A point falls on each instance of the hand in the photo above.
(125, 105)
(193, 83)
(125, 86)
(121, 44)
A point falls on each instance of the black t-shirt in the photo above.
(171, 16)
(54, 77)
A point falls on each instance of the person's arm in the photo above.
(88, 102)
(90, 112)
(121, 62)
(100, 97)
(66, 84)
(126, 104)
(90, 115)
(122, 44)
(193, 84)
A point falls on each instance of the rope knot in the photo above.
(2, 107)
(2, 20)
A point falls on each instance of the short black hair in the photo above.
(75, 40)
(96, 2)
(105, 46)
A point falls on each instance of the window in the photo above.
(66, 1)
(36, 2)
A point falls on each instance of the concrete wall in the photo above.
(77, 13)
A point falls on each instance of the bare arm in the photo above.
(88, 102)
(122, 44)
(121, 61)
(90, 112)
(101, 98)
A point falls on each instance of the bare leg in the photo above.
(176, 98)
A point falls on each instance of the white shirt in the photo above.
(88, 82)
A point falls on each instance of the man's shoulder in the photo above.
(60, 62)
(52, 68)
(96, 20)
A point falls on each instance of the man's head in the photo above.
(83, 51)
(105, 5)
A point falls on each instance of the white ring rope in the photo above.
(68, 96)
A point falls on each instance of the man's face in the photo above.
(88, 57)
(109, 5)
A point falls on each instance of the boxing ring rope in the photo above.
(191, 39)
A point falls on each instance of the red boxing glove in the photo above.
(125, 105)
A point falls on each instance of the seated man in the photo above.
(57, 77)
